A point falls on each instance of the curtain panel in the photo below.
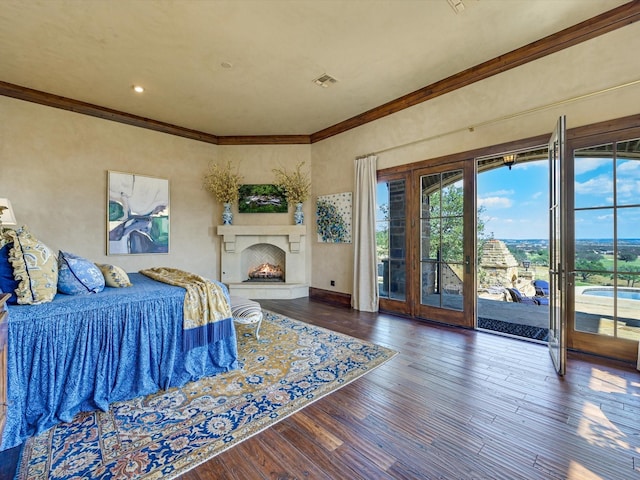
(365, 276)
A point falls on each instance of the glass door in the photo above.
(606, 249)
(444, 250)
(557, 258)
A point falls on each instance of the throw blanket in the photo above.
(205, 303)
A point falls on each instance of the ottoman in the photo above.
(246, 312)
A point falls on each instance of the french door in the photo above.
(558, 279)
(443, 247)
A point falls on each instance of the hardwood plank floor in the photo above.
(454, 404)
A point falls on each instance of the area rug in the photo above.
(168, 433)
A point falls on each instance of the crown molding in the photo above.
(606, 22)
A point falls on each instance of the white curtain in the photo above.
(365, 275)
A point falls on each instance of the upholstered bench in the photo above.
(246, 312)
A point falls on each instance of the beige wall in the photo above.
(520, 103)
(53, 163)
(53, 168)
(256, 163)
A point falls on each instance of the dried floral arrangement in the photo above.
(296, 185)
(222, 182)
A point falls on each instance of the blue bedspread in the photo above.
(80, 353)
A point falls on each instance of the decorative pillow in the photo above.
(8, 284)
(34, 268)
(77, 275)
(114, 276)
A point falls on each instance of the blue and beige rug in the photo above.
(166, 434)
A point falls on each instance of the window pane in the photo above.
(628, 304)
(628, 182)
(430, 283)
(594, 241)
(397, 279)
(452, 245)
(594, 177)
(430, 196)
(430, 239)
(594, 309)
(391, 239)
(629, 226)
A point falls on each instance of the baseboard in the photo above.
(327, 296)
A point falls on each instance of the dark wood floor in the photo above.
(454, 404)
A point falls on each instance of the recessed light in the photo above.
(138, 88)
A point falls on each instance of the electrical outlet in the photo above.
(333, 283)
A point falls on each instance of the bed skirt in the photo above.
(81, 353)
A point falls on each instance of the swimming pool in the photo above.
(628, 294)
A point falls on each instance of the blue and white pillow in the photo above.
(77, 275)
(8, 284)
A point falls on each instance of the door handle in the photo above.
(467, 263)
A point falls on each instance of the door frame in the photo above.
(606, 132)
(623, 128)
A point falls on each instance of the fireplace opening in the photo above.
(264, 263)
(266, 272)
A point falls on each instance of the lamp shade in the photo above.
(7, 216)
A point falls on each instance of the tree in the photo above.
(624, 273)
(627, 256)
(447, 218)
(588, 268)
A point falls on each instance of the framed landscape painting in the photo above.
(265, 198)
(137, 214)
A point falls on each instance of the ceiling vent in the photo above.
(325, 80)
(457, 5)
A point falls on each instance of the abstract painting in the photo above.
(334, 218)
(137, 214)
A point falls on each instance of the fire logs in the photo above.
(266, 271)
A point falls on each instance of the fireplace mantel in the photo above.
(293, 232)
(289, 239)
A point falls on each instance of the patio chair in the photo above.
(542, 288)
(518, 297)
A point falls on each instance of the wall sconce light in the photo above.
(526, 264)
(509, 160)
(7, 217)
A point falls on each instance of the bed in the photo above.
(83, 352)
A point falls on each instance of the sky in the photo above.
(516, 201)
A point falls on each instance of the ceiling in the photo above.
(246, 67)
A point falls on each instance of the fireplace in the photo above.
(267, 249)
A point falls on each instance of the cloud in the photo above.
(495, 202)
(585, 164)
(500, 193)
(602, 184)
(628, 181)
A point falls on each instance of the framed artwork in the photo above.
(137, 214)
(265, 198)
(334, 214)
